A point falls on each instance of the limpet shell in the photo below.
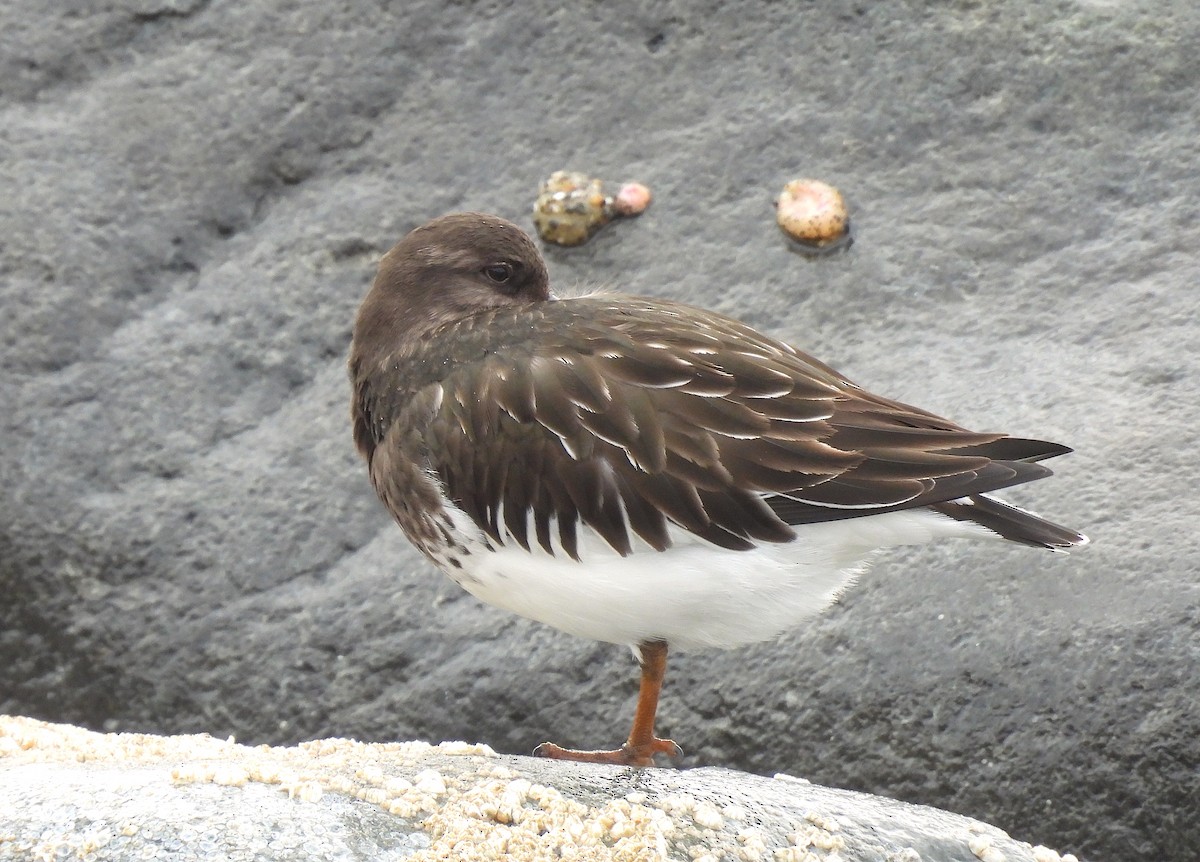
(813, 213)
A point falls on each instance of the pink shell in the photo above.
(631, 199)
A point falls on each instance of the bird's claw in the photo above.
(641, 754)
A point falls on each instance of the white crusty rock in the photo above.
(71, 793)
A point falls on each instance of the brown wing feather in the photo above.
(609, 412)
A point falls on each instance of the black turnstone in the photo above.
(640, 471)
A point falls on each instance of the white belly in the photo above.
(693, 594)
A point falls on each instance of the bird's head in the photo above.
(448, 269)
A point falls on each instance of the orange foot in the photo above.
(627, 755)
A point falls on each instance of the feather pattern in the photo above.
(628, 414)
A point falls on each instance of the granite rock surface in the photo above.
(67, 792)
(192, 199)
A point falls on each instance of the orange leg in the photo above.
(642, 745)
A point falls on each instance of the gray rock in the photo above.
(192, 197)
(68, 792)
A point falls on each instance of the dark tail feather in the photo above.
(1011, 523)
(1014, 449)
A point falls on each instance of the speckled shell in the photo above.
(813, 213)
(570, 207)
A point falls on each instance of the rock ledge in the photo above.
(67, 792)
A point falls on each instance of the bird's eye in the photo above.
(500, 273)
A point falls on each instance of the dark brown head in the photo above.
(452, 267)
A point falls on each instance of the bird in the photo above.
(641, 471)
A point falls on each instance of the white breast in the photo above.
(694, 594)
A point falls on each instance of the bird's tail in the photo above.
(1010, 522)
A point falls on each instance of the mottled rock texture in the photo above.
(66, 792)
(192, 199)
